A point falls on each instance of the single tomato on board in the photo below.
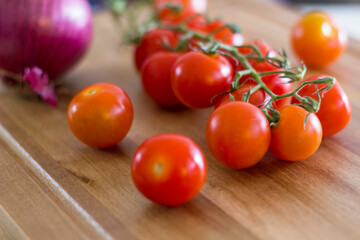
(335, 109)
(100, 115)
(238, 134)
(317, 40)
(290, 140)
(169, 169)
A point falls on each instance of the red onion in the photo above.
(50, 34)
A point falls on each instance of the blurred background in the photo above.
(345, 12)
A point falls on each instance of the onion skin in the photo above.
(50, 34)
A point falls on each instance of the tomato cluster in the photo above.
(238, 134)
(257, 107)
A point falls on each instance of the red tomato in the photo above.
(226, 35)
(100, 115)
(335, 109)
(263, 46)
(196, 78)
(169, 169)
(187, 9)
(289, 140)
(198, 23)
(277, 85)
(156, 78)
(153, 42)
(238, 134)
(317, 40)
(170, 18)
(198, 6)
(256, 99)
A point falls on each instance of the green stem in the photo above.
(254, 48)
(216, 47)
(277, 72)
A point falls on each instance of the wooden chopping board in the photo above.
(54, 187)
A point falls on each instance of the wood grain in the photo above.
(53, 186)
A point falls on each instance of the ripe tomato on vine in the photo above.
(156, 78)
(335, 109)
(238, 134)
(295, 137)
(152, 42)
(196, 78)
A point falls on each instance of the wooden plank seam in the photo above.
(30, 162)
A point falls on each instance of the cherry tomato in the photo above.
(156, 78)
(100, 115)
(196, 78)
(152, 42)
(335, 109)
(225, 35)
(256, 99)
(170, 17)
(238, 134)
(198, 23)
(264, 47)
(169, 169)
(198, 6)
(317, 40)
(290, 141)
(277, 85)
(186, 9)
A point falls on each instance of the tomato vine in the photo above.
(210, 46)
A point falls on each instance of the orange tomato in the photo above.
(290, 140)
(317, 40)
(100, 115)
